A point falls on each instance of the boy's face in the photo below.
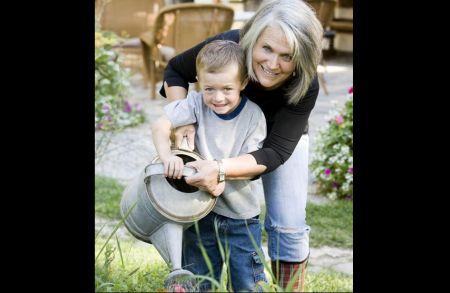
(221, 90)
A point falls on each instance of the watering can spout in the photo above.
(168, 241)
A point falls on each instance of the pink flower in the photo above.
(339, 119)
(105, 108)
(178, 288)
(334, 184)
(350, 170)
(327, 172)
(126, 107)
(350, 90)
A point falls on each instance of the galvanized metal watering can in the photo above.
(164, 208)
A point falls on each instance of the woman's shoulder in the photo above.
(231, 35)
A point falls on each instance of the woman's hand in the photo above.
(187, 131)
(206, 177)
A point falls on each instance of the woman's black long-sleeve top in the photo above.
(285, 123)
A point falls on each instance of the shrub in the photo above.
(332, 161)
(112, 110)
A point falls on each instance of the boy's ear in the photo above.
(244, 83)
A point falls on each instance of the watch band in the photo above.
(221, 175)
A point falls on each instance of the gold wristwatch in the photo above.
(221, 175)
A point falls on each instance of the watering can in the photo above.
(162, 208)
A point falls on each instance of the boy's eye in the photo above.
(208, 89)
(228, 89)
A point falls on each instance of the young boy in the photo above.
(227, 125)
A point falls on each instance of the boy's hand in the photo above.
(173, 166)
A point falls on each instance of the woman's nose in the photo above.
(273, 61)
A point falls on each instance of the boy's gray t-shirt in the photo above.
(218, 138)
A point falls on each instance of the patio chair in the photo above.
(324, 10)
(177, 28)
(342, 23)
(129, 19)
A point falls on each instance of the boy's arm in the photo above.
(173, 165)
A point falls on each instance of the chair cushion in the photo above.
(129, 43)
(167, 52)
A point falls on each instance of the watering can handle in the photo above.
(158, 169)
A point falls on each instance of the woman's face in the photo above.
(272, 58)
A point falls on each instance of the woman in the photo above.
(282, 43)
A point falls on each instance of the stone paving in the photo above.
(132, 149)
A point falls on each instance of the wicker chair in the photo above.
(177, 28)
(325, 11)
(129, 19)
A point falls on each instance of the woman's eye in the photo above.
(228, 89)
(287, 58)
(266, 48)
(208, 89)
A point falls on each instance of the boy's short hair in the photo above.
(219, 53)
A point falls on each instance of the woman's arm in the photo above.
(238, 168)
(286, 131)
(175, 92)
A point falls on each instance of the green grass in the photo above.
(331, 224)
(107, 197)
(144, 270)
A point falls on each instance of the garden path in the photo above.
(132, 149)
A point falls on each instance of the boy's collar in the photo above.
(235, 112)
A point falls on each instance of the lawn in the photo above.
(143, 270)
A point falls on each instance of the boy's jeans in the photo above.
(245, 265)
(285, 191)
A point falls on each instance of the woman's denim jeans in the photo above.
(285, 191)
(245, 266)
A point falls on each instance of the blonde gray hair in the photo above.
(303, 32)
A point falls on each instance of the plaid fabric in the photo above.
(287, 270)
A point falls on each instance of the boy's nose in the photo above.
(219, 97)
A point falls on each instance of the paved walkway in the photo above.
(132, 149)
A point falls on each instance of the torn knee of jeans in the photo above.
(280, 229)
